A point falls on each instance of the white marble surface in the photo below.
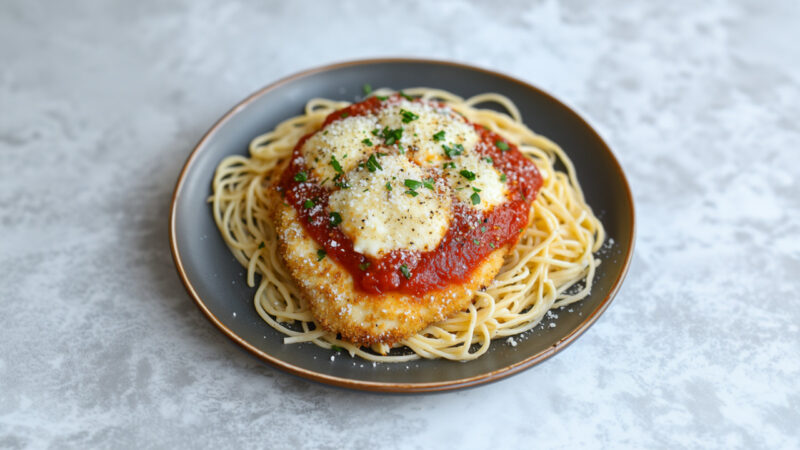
(100, 103)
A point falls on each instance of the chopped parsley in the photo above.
(261, 245)
(489, 160)
(336, 218)
(476, 242)
(501, 145)
(376, 132)
(449, 165)
(391, 136)
(373, 164)
(367, 142)
(404, 270)
(491, 245)
(475, 198)
(411, 192)
(308, 204)
(321, 254)
(412, 184)
(345, 114)
(364, 265)
(388, 186)
(438, 136)
(467, 174)
(367, 88)
(337, 181)
(408, 116)
(336, 166)
(405, 96)
(428, 183)
(455, 150)
(336, 348)
(381, 97)
(503, 177)
(475, 189)
(300, 176)
(483, 229)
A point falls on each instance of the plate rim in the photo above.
(394, 387)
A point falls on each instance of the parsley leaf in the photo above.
(336, 166)
(381, 97)
(391, 136)
(467, 174)
(475, 198)
(308, 204)
(428, 183)
(408, 116)
(405, 96)
(367, 142)
(339, 183)
(412, 184)
(336, 348)
(300, 176)
(364, 265)
(503, 177)
(345, 114)
(411, 192)
(438, 136)
(321, 254)
(336, 218)
(367, 88)
(455, 150)
(373, 164)
(501, 145)
(388, 186)
(404, 270)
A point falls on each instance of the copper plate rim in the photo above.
(380, 386)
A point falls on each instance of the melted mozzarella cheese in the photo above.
(379, 219)
(342, 140)
(486, 183)
(418, 133)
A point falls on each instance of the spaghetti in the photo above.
(552, 265)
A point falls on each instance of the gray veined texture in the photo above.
(101, 103)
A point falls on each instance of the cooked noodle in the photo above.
(555, 253)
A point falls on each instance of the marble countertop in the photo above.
(101, 102)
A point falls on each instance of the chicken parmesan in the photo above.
(387, 223)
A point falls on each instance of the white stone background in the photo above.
(101, 102)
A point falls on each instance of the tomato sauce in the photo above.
(472, 235)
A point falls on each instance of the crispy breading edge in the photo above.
(336, 305)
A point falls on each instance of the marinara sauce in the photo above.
(472, 235)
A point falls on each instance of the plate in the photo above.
(216, 282)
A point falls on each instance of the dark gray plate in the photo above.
(216, 281)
